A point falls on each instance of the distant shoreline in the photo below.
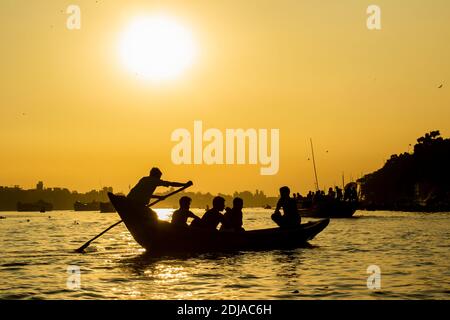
(246, 208)
(64, 199)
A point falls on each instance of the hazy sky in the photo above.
(73, 115)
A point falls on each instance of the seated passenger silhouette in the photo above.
(347, 194)
(213, 217)
(232, 219)
(338, 193)
(331, 194)
(141, 194)
(180, 216)
(291, 217)
(353, 194)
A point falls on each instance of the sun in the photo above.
(157, 47)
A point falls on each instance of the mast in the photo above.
(314, 164)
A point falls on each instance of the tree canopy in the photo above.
(418, 179)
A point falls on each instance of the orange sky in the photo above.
(72, 114)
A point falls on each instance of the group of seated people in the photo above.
(231, 220)
(320, 195)
(349, 194)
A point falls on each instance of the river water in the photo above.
(411, 251)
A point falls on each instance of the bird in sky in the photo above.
(440, 86)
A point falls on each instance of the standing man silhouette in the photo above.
(142, 192)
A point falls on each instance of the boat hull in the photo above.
(164, 237)
(332, 209)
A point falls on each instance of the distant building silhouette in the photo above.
(59, 198)
(64, 199)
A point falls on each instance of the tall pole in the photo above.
(314, 164)
(343, 185)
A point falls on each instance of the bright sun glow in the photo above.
(157, 48)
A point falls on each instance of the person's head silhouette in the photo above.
(185, 202)
(284, 192)
(219, 203)
(238, 203)
(155, 172)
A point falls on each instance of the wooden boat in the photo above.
(329, 209)
(161, 236)
(39, 206)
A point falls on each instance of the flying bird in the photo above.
(440, 86)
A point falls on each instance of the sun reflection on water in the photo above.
(167, 273)
(164, 214)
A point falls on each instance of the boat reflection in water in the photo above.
(273, 273)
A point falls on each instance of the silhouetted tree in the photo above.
(412, 181)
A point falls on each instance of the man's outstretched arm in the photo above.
(192, 215)
(174, 184)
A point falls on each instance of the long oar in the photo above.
(84, 246)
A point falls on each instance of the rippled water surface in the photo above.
(411, 250)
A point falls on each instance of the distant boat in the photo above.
(329, 209)
(106, 207)
(326, 208)
(92, 206)
(39, 206)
